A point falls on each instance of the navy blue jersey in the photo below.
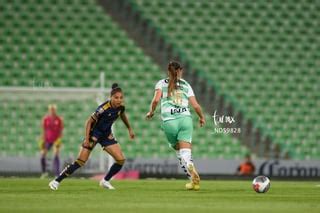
(105, 116)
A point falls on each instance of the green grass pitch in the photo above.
(83, 195)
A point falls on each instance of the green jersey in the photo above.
(177, 105)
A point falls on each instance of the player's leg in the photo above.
(184, 144)
(171, 129)
(56, 159)
(81, 160)
(181, 163)
(70, 169)
(43, 162)
(186, 156)
(44, 147)
(115, 151)
(185, 152)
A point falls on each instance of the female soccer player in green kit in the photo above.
(175, 95)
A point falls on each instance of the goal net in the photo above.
(22, 110)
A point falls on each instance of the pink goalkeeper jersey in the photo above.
(52, 126)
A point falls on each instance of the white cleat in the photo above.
(106, 184)
(54, 185)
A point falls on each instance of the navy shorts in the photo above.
(104, 141)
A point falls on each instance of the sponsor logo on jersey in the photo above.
(178, 110)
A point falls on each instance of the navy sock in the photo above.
(70, 169)
(115, 168)
(56, 165)
(43, 164)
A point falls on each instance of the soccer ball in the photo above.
(261, 184)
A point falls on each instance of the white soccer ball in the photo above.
(261, 184)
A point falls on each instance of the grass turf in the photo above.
(81, 195)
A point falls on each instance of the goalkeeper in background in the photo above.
(52, 126)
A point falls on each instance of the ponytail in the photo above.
(173, 68)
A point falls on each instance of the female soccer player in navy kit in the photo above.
(98, 130)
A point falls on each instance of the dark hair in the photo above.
(115, 88)
(173, 68)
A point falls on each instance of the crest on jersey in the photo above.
(101, 110)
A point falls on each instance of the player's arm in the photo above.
(42, 128)
(196, 106)
(61, 127)
(89, 123)
(125, 120)
(154, 103)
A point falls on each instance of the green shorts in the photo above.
(179, 129)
